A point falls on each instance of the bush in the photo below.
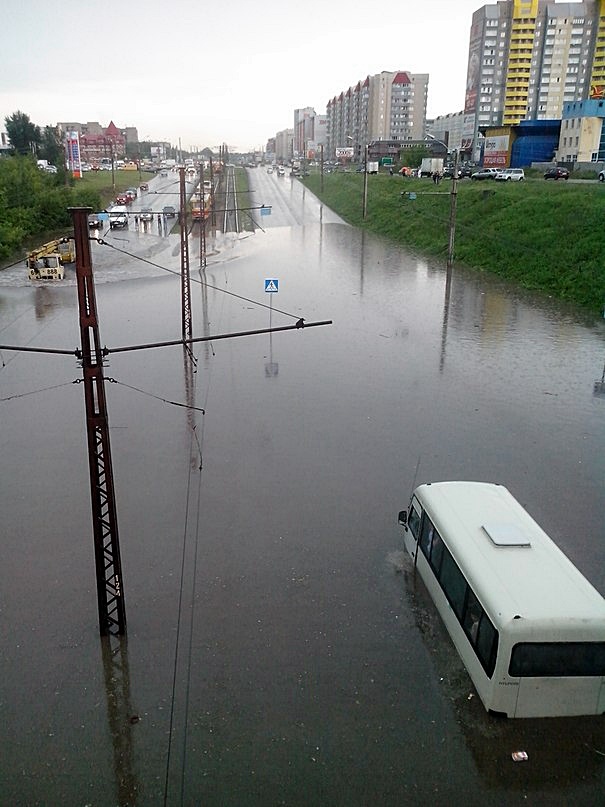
(33, 202)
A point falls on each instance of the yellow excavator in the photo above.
(46, 262)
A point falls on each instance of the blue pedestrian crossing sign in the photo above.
(271, 285)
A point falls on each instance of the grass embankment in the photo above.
(101, 182)
(543, 235)
(244, 201)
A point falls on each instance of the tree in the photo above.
(51, 147)
(24, 135)
(413, 156)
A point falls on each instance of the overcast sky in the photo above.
(209, 73)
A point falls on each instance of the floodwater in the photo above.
(280, 650)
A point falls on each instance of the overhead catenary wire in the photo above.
(194, 279)
(36, 391)
(152, 395)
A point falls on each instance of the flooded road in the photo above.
(280, 649)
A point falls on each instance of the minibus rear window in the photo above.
(557, 659)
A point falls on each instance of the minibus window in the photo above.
(453, 583)
(487, 644)
(557, 659)
(426, 537)
(436, 553)
(414, 522)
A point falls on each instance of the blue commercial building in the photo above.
(534, 141)
(520, 145)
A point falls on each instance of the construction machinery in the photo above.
(46, 262)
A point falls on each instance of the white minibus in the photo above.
(529, 628)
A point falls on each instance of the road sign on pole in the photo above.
(271, 285)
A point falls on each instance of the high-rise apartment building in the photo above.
(309, 131)
(529, 57)
(386, 106)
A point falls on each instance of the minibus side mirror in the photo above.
(403, 518)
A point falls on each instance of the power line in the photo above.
(42, 389)
(150, 395)
(195, 280)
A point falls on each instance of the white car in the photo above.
(510, 174)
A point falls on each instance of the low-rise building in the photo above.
(582, 138)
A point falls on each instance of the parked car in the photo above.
(485, 173)
(601, 176)
(556, 173)
(462, 171)
(169, 211)
(510, 175)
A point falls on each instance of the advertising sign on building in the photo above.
(473, 77)
(495, 152)
(468, 132)
(73, 155)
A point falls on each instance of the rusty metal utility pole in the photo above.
(212, 199)
(202, 219)
(110, 593)
(185, 278)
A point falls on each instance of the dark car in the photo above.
(462, 171)
(556, 173)
(169, 211)
(485, 173)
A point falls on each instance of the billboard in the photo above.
(468, 132)
(495, 151)
(473, 72)
(73, 155)
(344, 153)
(473, 80)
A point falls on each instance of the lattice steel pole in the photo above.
(185, 278)
(110, 593)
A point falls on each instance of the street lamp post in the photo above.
(365, 182)
(453, 204)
